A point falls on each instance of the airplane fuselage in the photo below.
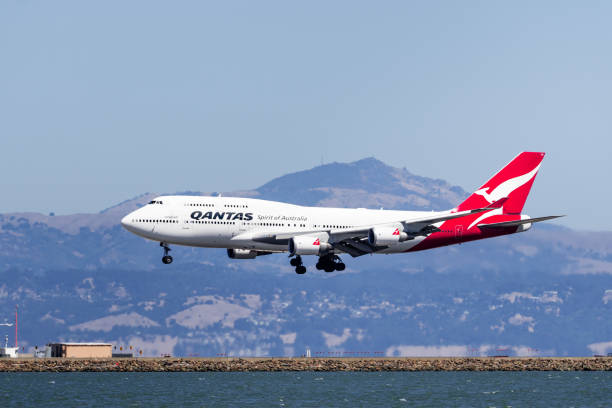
(244, 223)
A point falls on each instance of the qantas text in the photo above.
(199, 215)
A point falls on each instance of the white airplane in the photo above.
(250, 227)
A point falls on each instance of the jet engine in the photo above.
(241, 253)
(305, 245)
(386, 236)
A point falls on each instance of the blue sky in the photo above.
(101, 101)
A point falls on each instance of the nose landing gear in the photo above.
(330, 263)
(300, 269)
(166, 259)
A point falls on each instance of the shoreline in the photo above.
(320, 364)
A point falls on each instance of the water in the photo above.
(307, 389)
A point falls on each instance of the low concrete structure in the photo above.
(81, 350)
(9, 352)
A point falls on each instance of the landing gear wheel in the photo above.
(300, 269)
(330, 263)
(166, 259)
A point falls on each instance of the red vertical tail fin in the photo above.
(511, 183)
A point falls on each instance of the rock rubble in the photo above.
(305, 364)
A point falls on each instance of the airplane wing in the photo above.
(354, 241)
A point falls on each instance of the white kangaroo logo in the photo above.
(504, 189)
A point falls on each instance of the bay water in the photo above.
(307, 389)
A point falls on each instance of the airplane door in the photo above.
(458, 231)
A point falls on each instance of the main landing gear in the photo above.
(330, 263)
(300, 269)
(167, 259)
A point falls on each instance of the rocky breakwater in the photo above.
(304, 364)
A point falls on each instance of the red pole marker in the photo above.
(16, 322)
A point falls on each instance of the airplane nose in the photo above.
(125, 221)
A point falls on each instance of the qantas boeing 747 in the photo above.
(250, 227)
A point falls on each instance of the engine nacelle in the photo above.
(386, 236)
(306, 245)
(241, 253)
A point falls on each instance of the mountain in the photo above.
(83, 278)
(368, 182)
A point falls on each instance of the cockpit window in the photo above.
(155, 202)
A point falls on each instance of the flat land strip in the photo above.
(306, 364)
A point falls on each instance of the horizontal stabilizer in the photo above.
(518, 222)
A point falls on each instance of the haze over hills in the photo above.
(368, 182)
(83, 278)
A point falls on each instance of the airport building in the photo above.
(81, 350)
(10, 352)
